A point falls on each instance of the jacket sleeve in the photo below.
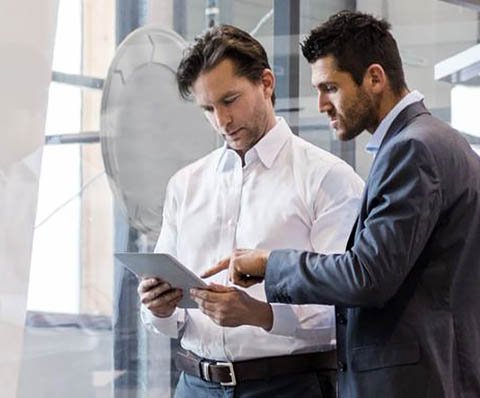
(402, 206)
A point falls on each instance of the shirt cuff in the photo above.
(169, 326)
(285, 321)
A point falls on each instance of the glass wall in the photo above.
(117, 130)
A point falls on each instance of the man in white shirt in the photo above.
(266, 188)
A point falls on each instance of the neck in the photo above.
(386, 103)
(270, 119)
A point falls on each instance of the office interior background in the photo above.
(84, 165)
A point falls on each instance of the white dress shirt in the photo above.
(289, 194)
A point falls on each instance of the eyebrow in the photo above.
(323, 84)
(228, 94)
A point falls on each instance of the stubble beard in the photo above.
(255, 130)
(358, 117)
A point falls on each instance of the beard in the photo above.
(251, 131)
(358, 115)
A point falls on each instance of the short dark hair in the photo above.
(215, 45)
(357, 40)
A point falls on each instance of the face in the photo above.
(240, 110)
(351, 108)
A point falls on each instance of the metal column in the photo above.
(286, 30)
(127, 337)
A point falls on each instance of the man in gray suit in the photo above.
(407, 290)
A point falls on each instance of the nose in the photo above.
(324, 104)
(222, 118)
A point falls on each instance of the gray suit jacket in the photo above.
(407, 290)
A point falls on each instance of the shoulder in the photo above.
(313, 154)
(320, 163)
(425, 139)
(428, 129)
(320, 174)
(414, 152)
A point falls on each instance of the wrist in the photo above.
(260, 263)
(163, 314)
(265, 255)
(265, 316)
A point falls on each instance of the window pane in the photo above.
(55, 269)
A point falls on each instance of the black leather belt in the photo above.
(231, 373)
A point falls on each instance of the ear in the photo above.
(375, 79)
(268, 83)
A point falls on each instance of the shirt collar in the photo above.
(375, 141)
(266, 149)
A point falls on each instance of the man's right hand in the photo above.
(158, 296)
(246, 267)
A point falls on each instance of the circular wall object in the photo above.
(148, 131)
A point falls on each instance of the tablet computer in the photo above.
(166, 267)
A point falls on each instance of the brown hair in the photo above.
(215, 45)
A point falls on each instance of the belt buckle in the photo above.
(229, 365)
(205, 370)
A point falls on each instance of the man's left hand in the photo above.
(229, 306)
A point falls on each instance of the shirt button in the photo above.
(341, 366)
(341, 319)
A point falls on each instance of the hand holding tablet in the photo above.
(165, 267)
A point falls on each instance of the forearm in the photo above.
(311, 278)
(349, 279)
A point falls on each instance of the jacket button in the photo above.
(341, 367)
(341, 318)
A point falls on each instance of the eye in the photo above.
(207, 109)
(230, 100)
(329, 88)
